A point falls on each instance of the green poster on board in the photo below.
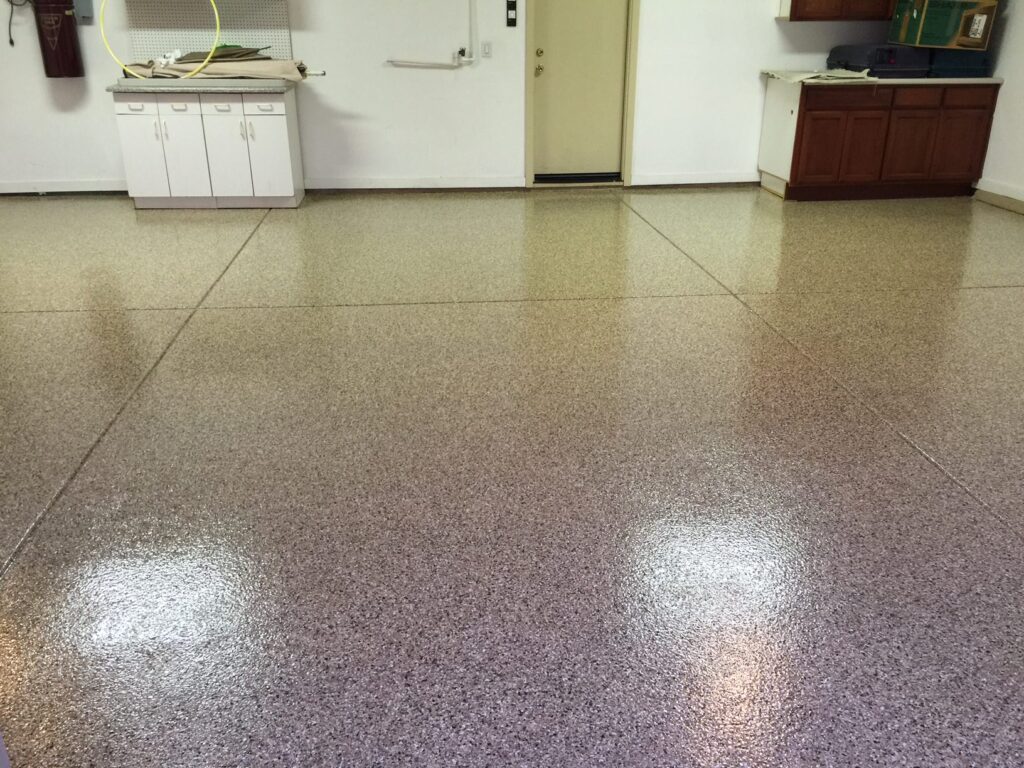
(944, 23)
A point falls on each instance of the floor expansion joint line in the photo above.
(34, 526)
(468, 302)
(96, 311)
(857, 398)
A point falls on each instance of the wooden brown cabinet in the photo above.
(837, 10)
(864, 146)
(821, 152)
(908, 152)
(896, 139)
(960, 144)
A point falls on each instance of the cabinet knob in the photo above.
(539, 70)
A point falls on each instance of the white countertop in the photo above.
(808, 78)
(200, 85)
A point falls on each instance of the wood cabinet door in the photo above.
(270, 156)
(867, 9)
(961, 144)
(227, 146)
(142, 148)
(188, 170)
(911, 144)
(816, 10)
(821, 147)
(864, 146)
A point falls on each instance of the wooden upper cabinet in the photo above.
(908, 152)
(867, 9)
(960, 144)
(838, 10)
(815, 10)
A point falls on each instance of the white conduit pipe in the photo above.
(464, 57)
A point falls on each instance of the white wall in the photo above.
(698, 116)
(1004, 168)
(58, 135)
(371, 125)
(700, 95)
(365, 125)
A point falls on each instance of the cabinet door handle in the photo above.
(156, 130)
(179, 107)
(136, 107)
(265, 107)
(241, 128)
(222, 107)
(167, 134)
(252, 131)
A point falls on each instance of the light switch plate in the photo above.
(83, 10)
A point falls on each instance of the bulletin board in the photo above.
(158, 26)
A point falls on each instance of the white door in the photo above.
(578, 49)
(270, 156)
(227, 147)
(185, 148)
(143, 150)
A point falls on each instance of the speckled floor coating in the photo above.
(581, 489)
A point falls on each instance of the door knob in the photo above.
(539, 70)
(540, 52)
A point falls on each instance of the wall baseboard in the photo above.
(1002, 188)
(432, 182)
(1000, 201)
(57, 187)
(673, 179)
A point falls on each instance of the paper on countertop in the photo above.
(826, 76)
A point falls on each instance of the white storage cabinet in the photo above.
(211, 149)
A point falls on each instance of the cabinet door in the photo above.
(961, 144)
(185, 148)
(143, 150)
(821, 147)
(864, 146)
(816, 10)
(270, 156)
(911, 144)
(867, 9)
(227, 147)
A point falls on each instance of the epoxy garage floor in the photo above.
(596, 478)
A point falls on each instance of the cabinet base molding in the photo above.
(219, 202)
(774, 184)
(888, 191)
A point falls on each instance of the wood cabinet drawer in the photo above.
(135, 103)
(179, 104)
(970, 96)
(921, 96)
(264, 104)
(222, 104)
(848, 97)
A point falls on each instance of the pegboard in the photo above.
(158, 26)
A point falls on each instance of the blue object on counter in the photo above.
(949, 63)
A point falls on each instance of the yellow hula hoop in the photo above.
(132, 72)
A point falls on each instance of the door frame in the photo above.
(628, 107)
